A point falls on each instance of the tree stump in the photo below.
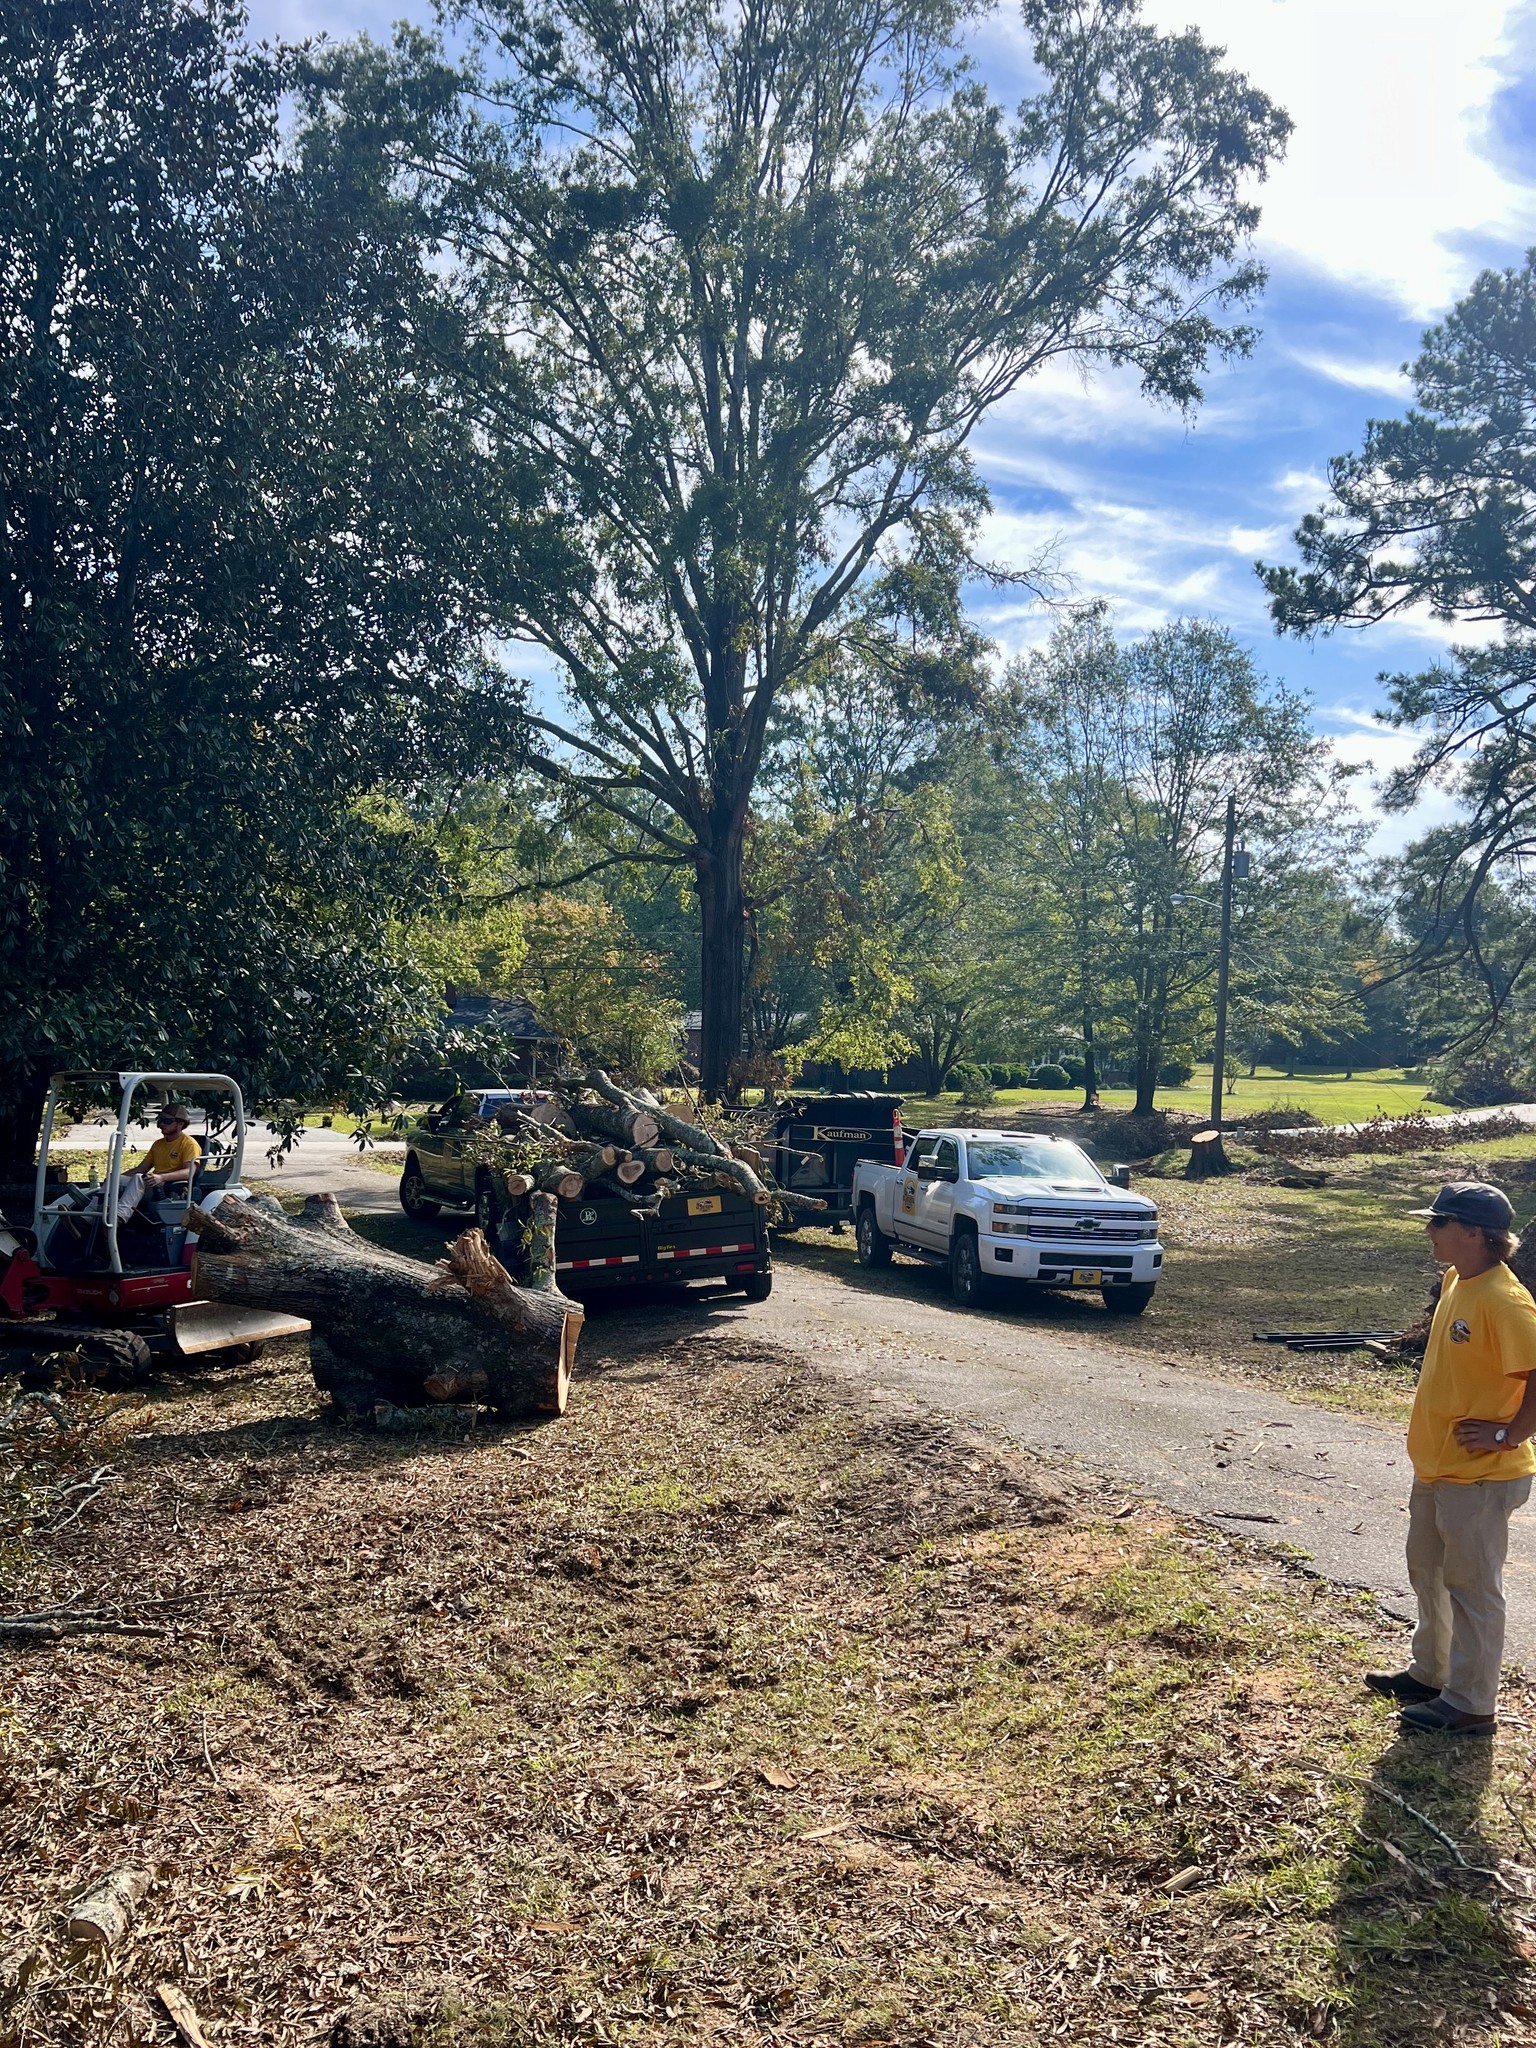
(1207, 1156)
(387, 1327)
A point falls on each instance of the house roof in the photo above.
(511, 1016)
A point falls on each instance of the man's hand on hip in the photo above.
(1473, 1435)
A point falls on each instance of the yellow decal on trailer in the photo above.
(703, 1205)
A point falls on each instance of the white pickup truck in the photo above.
(1010, 1205)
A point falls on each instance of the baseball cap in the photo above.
(178, 1110)
(1473, 1202)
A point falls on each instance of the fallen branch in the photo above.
(1424, 1821)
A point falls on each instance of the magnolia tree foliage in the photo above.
(246, 528)
(762, 271)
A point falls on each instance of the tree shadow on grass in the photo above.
(1426, 1944)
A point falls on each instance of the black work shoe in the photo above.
(1436, 1718)
(1401, 1685)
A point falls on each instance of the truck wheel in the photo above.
(414, 1199)
(1131, 1300)
(969, 1285)
(759, 1287)
(487, 1207)
(874, 1245)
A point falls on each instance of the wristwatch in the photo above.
(1501, 1434)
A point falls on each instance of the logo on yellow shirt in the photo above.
(1460, 1332)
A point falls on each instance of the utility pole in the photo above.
(1224, 962)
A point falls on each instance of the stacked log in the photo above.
(595, 1138)
(388, 1329)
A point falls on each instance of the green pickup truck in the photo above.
(441, 1171)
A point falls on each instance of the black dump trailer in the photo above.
(602, 1245)
(818, 1138)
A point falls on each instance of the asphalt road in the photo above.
(323, 1161)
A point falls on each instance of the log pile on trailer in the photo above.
(595, 1139)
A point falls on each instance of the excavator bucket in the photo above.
(199, 1326)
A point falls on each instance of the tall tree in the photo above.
(1438, 511)
(1136, 751)
(246, 531)
(764, 269)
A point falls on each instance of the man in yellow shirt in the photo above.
(1470, 1441)
(170, 1161)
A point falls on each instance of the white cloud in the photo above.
(1105, 406)
(1389, 98)
(1386, 378)
(1356, 737)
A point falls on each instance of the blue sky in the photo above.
(1412, 167)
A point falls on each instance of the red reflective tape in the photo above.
(573, 1265)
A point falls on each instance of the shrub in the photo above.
(1076, 1070)
(1175, 1074)
(1050, 1076)
(1002, 1077)
(974, 1083)
(1480, 1083)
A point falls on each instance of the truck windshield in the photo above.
(1030, 1159)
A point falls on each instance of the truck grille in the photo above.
(1086, 1226)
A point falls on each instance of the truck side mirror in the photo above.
(1120, 1176)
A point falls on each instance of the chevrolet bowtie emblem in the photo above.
(1087, 1222)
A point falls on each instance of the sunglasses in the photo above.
(1437, 1222)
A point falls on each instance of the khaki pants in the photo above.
(1458, 1535)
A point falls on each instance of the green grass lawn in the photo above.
(1378, 1090)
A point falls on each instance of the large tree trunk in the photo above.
(23, 1091)
(1090, 1061)
(722, 960)
(390, 1327)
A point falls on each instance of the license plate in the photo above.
(703, 1205)
(1087, 1276)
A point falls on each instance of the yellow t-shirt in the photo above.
(1481, 1345)
(166, 1154)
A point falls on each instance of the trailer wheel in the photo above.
(759, 1287)
(113, 1359)
(414, 1199)
(874, 1245)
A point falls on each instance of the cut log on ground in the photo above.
(102, 1915)
(384, 1325)
(1207, 1156)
